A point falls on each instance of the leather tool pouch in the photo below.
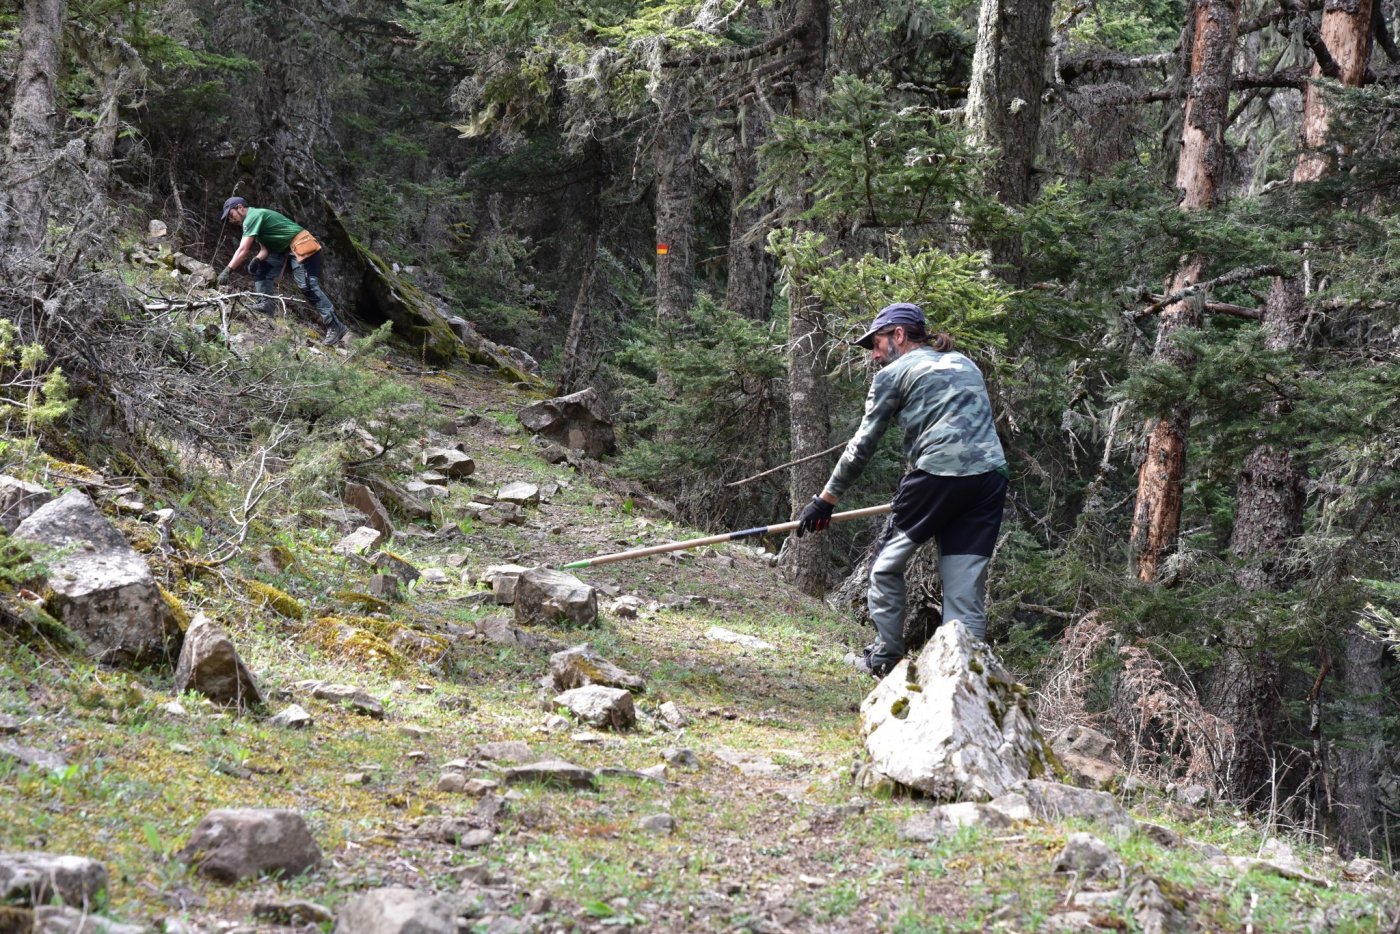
(304, 245)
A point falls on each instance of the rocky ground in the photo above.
(407, 769)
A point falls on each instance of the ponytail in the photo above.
(941, 342)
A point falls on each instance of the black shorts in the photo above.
(962, 513)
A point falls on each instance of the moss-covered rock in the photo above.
(279, 600)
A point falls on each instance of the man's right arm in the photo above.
(880, 406)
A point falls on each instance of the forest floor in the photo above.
(770, 831)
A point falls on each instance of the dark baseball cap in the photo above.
(900, 313)
(230, 204)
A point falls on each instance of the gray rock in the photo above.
(384, 586)
(1151, 910)
(359, 701)
(681, 758)
(209, 665)
(545, 596)
(500, 631)
(19, 500)
(292, 717)
(1162, 836)
(399, 499)
(358, 542)
(661, 824)
(244, 843)
(1088, 857)
(34, 878)
(396, 910)
(1051, 801)
(673, 716)
(576, 421)
(1193, 795)
(1088, 755)
(102, 588)
(1362, 869)
(503, 578)
(9, 726)
(450, 462)
(433, 478)
(29, 756)
(581, 666)
(386, 563)
(720, 634)
(599, 706)
(426, 490)
(520, 493)
(552, 772)
(361, 497)
(946, 819)
(503, 514)
(957, 726)
(510, 750)
(65, 919)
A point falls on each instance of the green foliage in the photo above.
(871, 161)
(31, 395)
(954, 294)
(720, 413)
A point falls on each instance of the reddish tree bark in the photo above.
(1157, 520)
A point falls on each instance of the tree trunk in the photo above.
(1361, 752)
(1270, 494)
(749, 288)
(32, 119)
(578, 320)
(808, 403)
(675, 200)
(1157, 519)
(1003, 107)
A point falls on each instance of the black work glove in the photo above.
(255, 267)
(815, 517)
(223, 276)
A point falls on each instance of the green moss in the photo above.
(362, 600)
(269, 596)
(900, 709)
(177, 608)
(346, 642)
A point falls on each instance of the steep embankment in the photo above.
(733, 809)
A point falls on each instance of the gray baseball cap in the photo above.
(900, 313)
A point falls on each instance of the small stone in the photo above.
(450, 462)
(9, 726)
(415, 731)
(661, 824)
(384, 586)
(522, 494)
(172, 709)
(434, 576)
(503, 578)
(355, 778)
(553, 772)
(602, 707)
(720, 634)
(681, 758)
(512, 751)
(426, 490)
(655, 772)
(672, 716)
(587, 739)
(357, 542)
(1088, 857)
(358, 700)
(556, 724)
(241, 843)
(452, 782)
(292, 717)
(433, 478)
(156, 229)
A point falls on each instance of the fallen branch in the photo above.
(800, 460)
(1243, 274)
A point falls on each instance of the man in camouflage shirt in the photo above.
(954, 492)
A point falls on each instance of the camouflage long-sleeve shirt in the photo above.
(940, 400)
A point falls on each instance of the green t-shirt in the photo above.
(272, 230)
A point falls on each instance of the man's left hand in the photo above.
(222, 280)
(815, 517)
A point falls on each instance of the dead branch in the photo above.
(1243, 274)
(800, 460)
(731, 56)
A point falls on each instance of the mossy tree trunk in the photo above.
(33, 115)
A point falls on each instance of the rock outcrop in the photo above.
(955, 725)
(577, 421)
(102, 588)
(19, 500)
(33, 878)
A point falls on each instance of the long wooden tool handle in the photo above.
(717, 539)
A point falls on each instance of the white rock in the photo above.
(520, 493)
(599, 706)
(358, 542)
(720, 634)
(962, 730)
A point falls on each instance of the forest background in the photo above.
(1163, 229)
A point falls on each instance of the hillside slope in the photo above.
(736, 809)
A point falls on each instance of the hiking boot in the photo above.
(334, 333)
(861, 663)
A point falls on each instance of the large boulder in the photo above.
(210, 665)
(543, 595)
(33, 878)
(577, 421)
(102, 588)
(244, 843)
(955, 726)
(396, 910)
(19, 500)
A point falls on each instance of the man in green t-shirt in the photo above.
(280, 240)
